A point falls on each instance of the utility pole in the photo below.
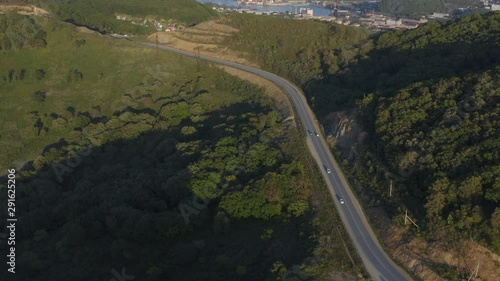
(407, 217)
(156, 41)
(390, 189)
(475, 272)
(198, 61)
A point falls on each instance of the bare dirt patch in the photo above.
(198, 38)
(205, 32)
(23, 10)
(84, 29)
(217, 27)
(421, 257)
(207, 49)
(205, 39)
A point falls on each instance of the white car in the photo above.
(327, 169)
(341, 201)
(316, 134)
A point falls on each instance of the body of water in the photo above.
(318, 11)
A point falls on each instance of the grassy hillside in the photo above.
(158, 164)
(100, 15)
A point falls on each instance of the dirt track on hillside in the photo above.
(23, 10)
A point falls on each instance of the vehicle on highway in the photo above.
(316, 134)
(327, 169)
(341, 201)
(310, 133)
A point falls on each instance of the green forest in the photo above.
(433, 114)
(298, 50)
(100, 15)
(164, 167)
(441, 141)
(428, 99)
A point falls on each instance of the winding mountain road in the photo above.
(376, 261)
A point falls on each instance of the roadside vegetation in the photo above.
(166, 166)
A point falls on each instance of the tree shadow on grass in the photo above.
(117, 206)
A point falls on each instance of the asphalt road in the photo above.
(376, 261)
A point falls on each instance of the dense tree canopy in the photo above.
(433, 111)
(446, 136)
(18, 32)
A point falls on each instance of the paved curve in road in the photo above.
(376, 261)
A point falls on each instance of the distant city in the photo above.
(364, 14)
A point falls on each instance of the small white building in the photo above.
(439, 16)
(393, 22)
(306, 11)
